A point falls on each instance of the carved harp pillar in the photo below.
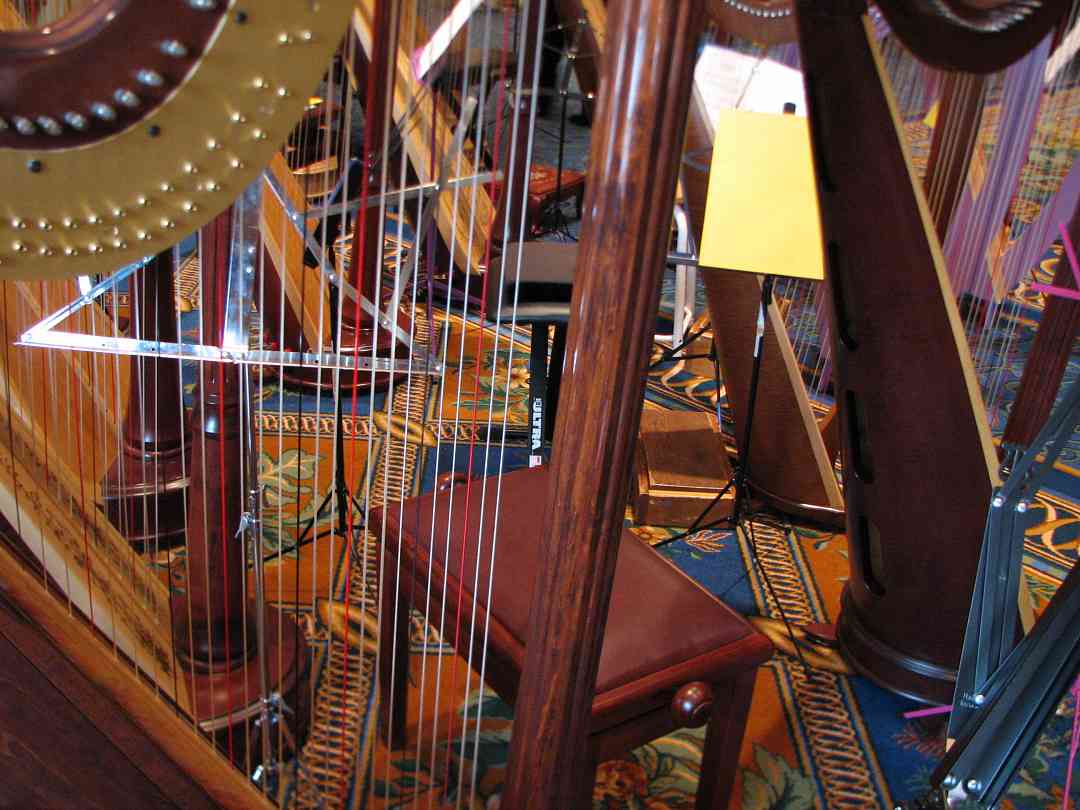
(144, 491)
(918, 459)
(217, 629)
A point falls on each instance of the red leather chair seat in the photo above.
(662, 627)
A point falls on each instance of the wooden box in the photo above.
(681, 465)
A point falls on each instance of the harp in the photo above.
(874, 632)
(333, 295)
(218, 579)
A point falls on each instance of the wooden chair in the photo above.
(673, 655)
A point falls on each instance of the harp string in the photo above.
(317, 535)
(297, 160)
(436, 149)
(205, 276)
(360, 266)
(281, 273)
(534, 80)
(1059, 127)
(47, 401)
(997, 344)
(500, 106)
(185, 476)
(247, 510)
(382, 574)
(385, 124)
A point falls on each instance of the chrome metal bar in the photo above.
(682, 259)
(241, 280)
(130, 346)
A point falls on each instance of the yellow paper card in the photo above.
(761, 214)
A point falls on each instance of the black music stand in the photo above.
(738, 481)
(1006, 693)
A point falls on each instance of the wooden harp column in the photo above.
(636, 144)
(919, 464)
(215, 623)
(145, 490)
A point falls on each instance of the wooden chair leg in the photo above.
(723, 739)
(587, 779)
(393, 666)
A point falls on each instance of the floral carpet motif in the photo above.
(814, 739)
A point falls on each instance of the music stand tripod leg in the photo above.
(738, 481)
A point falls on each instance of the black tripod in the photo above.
(739, 480)
(340, 488)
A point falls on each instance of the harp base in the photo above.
(233, 699)
(895, 670)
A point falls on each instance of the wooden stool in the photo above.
(673, 655)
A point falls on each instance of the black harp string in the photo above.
(238, 536)
(309, 128)
(200, 403)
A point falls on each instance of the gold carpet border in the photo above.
(311, 425)
(338, 751)
(831, 739)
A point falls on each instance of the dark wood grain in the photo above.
(757, 28)
(723, 739)
(43, 72)
(52, 754)
(145, 489)
(636, 141)
(74, 733)
(116, 679)
(978, 37)
(918, 459)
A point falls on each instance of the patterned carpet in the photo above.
(814, 739)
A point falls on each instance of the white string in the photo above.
(541, 16)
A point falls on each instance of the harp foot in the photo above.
(898, 671)
(228, 703)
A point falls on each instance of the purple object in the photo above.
(1039, 235)
(976, 222)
